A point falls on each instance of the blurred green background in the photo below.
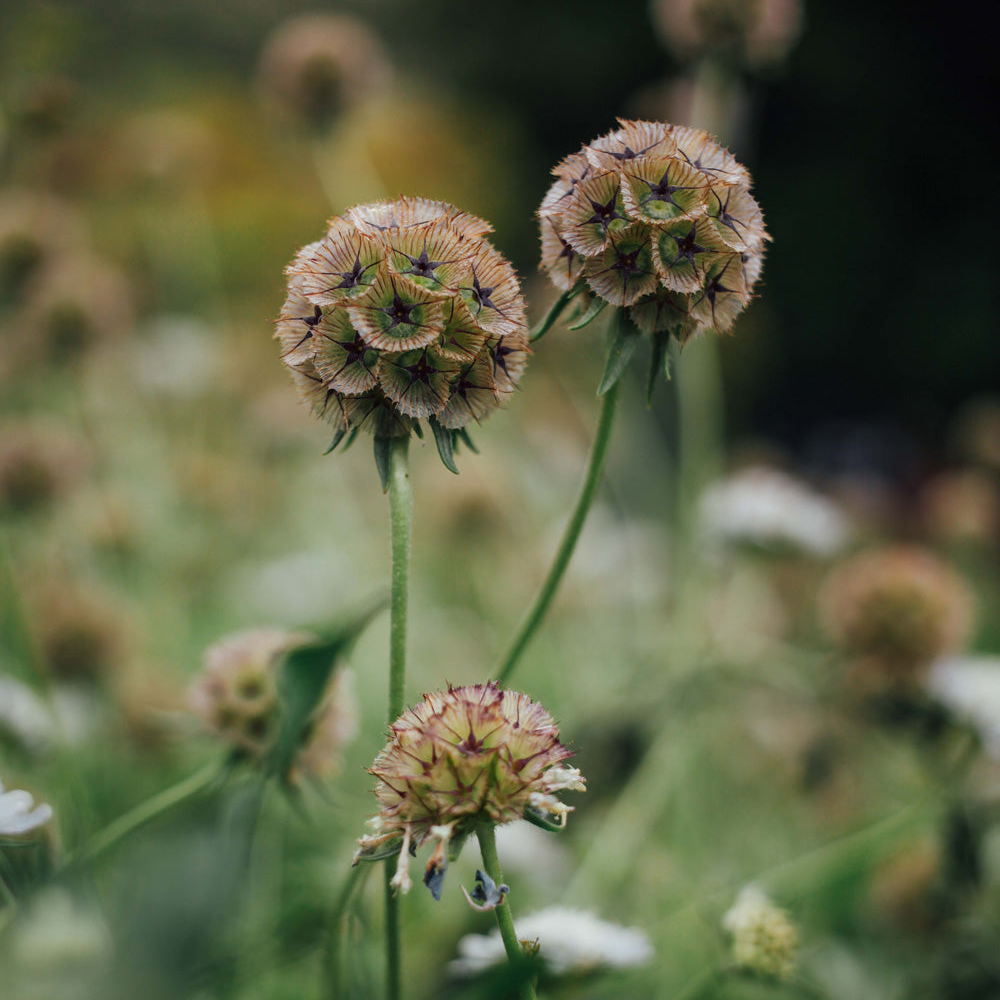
(175, 491)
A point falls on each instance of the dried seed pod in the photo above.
(461, 758)
(237, 698)
(658, 219)
(314, 67)
(754, 32)
(896, 610)
(403, 312)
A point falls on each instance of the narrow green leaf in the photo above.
(625, 338)
(304, 678)
(337, 438)
(352, 436)
(589, 314)
(463, 436)
(542, 820)
(390, 849)
(383, 445)
(418, 430)
(552, 316)
(445, 441)
(657, 361)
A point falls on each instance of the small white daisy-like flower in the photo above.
(770, 509)
(764, 937)
(570, 942)
(20, 816)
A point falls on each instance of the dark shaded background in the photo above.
(871, 156)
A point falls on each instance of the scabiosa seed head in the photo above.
(464, 757)
(659, 219)
(764, 938)
(403, 311)
(316, 66)
(897, 610)
(237, 698)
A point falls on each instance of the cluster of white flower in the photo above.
(970, 687)
(770, 509)
(764, 938)
(19, 815)
(570, 942)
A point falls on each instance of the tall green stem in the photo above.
(571, 535)
(401, 525)
(505, 921)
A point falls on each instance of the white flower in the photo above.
(19, 815)
(59, 933)
(764, 938)
(570, 941)
(970, 687)
(24, 717)
(768, 508)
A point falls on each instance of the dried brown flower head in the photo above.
(315, 66)
(464, 757)
(34, 229)
(660, 219)
(38, 464)
(81, 636)
(79, 300)
(755, 32)
(236, 696)
(896, 609)
(403, 312)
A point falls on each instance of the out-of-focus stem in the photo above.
(145, 813)
(337, 918)
(571, 535)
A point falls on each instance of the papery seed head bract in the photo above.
(658, 219)
(465, 757)
(236, 697)
(896, 610)
(316, 66)
(403, 312)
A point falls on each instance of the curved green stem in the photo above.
(401, 525)
(550, 319)
(571, 535)
(505, 921)
(145, 813)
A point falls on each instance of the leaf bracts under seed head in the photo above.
(463, 757)
(403, 312)
(659, 219)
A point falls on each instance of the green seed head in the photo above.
(659, 219)
(403, 312)
(465, 757)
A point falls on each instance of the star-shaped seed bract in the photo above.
(658, 219)
(402, 312)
